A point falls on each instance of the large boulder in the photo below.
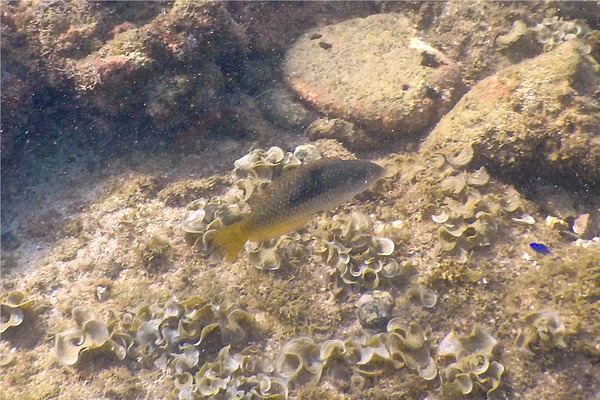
(541, 116)
(375, 72)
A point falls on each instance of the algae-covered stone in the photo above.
(375, 308)
(373, 71)
(339, 129)
(279, 106)
(172, 101)
(540, 116)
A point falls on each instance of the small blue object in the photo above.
(540, 248)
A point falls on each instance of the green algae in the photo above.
(12, 306)
(466, 210)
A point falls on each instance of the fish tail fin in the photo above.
(229, 241)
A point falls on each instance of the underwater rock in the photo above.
(555, 201)
(374, 308)
(116, 59)
(339, 129)
(517, 120)
(580, 224)
(174, 101)
(103, 292)
(16, 102)
(587, 226)
(279, 106)
(156, 252)
(389, 82)
(272, 26)
(185, 33)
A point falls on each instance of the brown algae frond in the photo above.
(12, 307)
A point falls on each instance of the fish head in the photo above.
(361, 173)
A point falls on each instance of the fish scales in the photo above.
(305, 190)
(288, 202)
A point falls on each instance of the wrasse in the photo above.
(289, 202)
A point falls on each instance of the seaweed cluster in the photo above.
(183, 337)
(11, 310)
(242, 375)
(203, 217)
(192, 339)
(467, 217)
(259, 167)
(403, 344)
(169, 336)
(551, 32)
(273, 254)
(465, 363)
(471, 363)
(301, 360)
(7, 354)
(555, 30)
(542, 329)
(348, 245)
(89, 334)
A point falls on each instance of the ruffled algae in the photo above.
(350, 302)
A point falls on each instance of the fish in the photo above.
(540, 248)
(290, 201)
